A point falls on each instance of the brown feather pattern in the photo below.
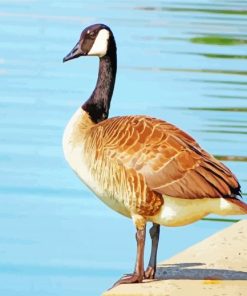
(125, 182)
(159, 158)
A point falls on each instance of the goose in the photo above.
(142, 167)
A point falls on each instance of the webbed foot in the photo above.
(129, 279)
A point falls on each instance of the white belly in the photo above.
(178, 211)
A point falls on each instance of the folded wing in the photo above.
(170, 160)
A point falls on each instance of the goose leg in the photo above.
(138, 274)
(154, 234)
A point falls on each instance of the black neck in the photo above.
(98, 105)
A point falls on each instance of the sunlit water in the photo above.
(182, 61)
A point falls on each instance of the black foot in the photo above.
(149, 273)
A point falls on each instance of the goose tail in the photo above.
(239, 203)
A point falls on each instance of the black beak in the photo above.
(76, 52)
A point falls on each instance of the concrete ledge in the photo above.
(215, 266)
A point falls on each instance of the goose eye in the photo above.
(92, 35)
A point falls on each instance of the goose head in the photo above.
(95, 40)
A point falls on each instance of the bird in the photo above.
(142, 167)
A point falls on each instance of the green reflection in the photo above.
(231, 158)
(218, 40)
(223, 56)
(218, 131)
(214, 55)
(215, 11)
(228, 109)
(209, 71)
(216, 81)
(226, 97)
(221, 220)
(228, 125)
(190, 9)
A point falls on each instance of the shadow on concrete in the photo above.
(189, 271)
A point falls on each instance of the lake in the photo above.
(181, 61)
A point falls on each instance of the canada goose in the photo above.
(142, 167)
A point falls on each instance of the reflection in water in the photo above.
(221, 82)
(210, 71)
(182, 61)
(221, 56)
(218, 40)
(231, 158)
(192, 10)
(233, 109)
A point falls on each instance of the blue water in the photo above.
(182, 61)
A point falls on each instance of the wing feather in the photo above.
(170, 160)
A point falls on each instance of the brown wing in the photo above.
(170, 160)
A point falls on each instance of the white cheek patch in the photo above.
(100, 45)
